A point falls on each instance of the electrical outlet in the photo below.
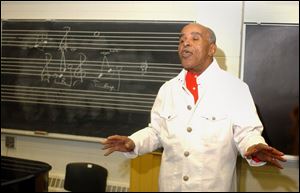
(9, 142)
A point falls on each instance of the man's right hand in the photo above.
(117, 143)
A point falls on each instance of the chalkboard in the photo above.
(271, 69)
(89, 78)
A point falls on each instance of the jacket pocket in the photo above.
(169, 134)
(215, 127)
(214, 117)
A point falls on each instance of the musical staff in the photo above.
(124, 41)
(154, 72)
(81, 98)
(82, 77)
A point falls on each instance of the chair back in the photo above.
(85, 177)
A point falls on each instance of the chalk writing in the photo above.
(45, 75)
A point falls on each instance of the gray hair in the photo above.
(212, 37)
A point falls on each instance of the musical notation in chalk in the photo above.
(66, 59)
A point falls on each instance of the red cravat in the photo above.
(191, 84)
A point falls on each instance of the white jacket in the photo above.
(201, 141)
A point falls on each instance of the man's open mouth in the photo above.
(186, 53)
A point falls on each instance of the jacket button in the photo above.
(189, 107)
(186, 153)
(189, 129)
(185, 178)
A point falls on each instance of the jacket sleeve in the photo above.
(246, 123)
(147, 140)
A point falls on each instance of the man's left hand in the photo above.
(265, 153)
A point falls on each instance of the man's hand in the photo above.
(265, 153)
(117, 143)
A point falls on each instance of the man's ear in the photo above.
(212, 50)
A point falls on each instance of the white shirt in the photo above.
(201, 141)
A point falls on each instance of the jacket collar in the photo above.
(208, 75)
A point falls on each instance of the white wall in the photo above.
(225, 18)
(272, 11)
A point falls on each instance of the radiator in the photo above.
(56, 184)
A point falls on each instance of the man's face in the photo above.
(195, 50)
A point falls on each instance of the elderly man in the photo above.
(202, 118)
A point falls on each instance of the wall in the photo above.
(225, 18)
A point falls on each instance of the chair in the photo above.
(85, 177)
